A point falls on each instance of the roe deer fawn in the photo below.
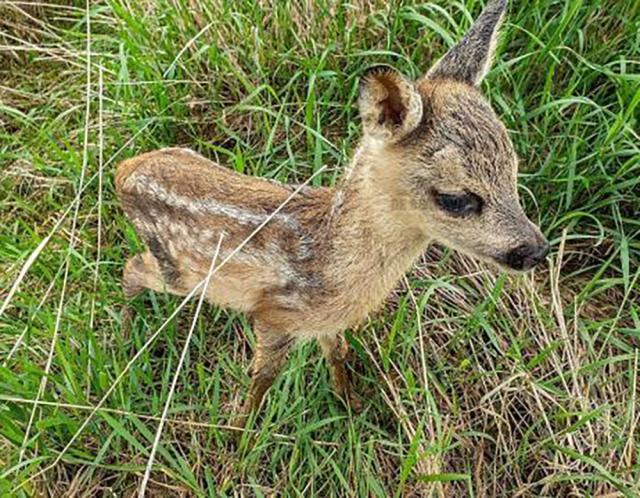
(435, 164)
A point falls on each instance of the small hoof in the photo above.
(237, 427)
(352, 401)
(355, 403)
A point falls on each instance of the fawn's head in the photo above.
(451, 157)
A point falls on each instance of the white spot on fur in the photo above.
(145, 185)
(181, 240)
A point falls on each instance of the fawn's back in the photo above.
(181, 204)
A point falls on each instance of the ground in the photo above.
(476, 383)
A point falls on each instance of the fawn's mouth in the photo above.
(520, 259)
(523, 257)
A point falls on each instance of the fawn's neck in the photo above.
(375, 238)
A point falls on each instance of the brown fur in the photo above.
(332, 255)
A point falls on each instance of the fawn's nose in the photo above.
(525, 256)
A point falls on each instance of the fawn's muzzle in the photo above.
(525, 256)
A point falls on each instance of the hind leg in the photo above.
(140, 273)
(131, 278)
(336, 351)
(269, 358)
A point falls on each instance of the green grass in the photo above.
(477, 384)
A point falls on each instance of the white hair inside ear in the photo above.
(390, 106)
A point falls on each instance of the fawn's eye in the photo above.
(459, 204)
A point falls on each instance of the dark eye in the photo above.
(459, 204)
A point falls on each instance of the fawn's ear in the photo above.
(469, 61)
(390, 106)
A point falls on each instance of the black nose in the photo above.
(525, 257)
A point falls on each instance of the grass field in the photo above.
(477, 383)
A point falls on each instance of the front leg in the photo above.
(336, 350)
(270, 356)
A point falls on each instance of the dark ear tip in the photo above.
(497, 4)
